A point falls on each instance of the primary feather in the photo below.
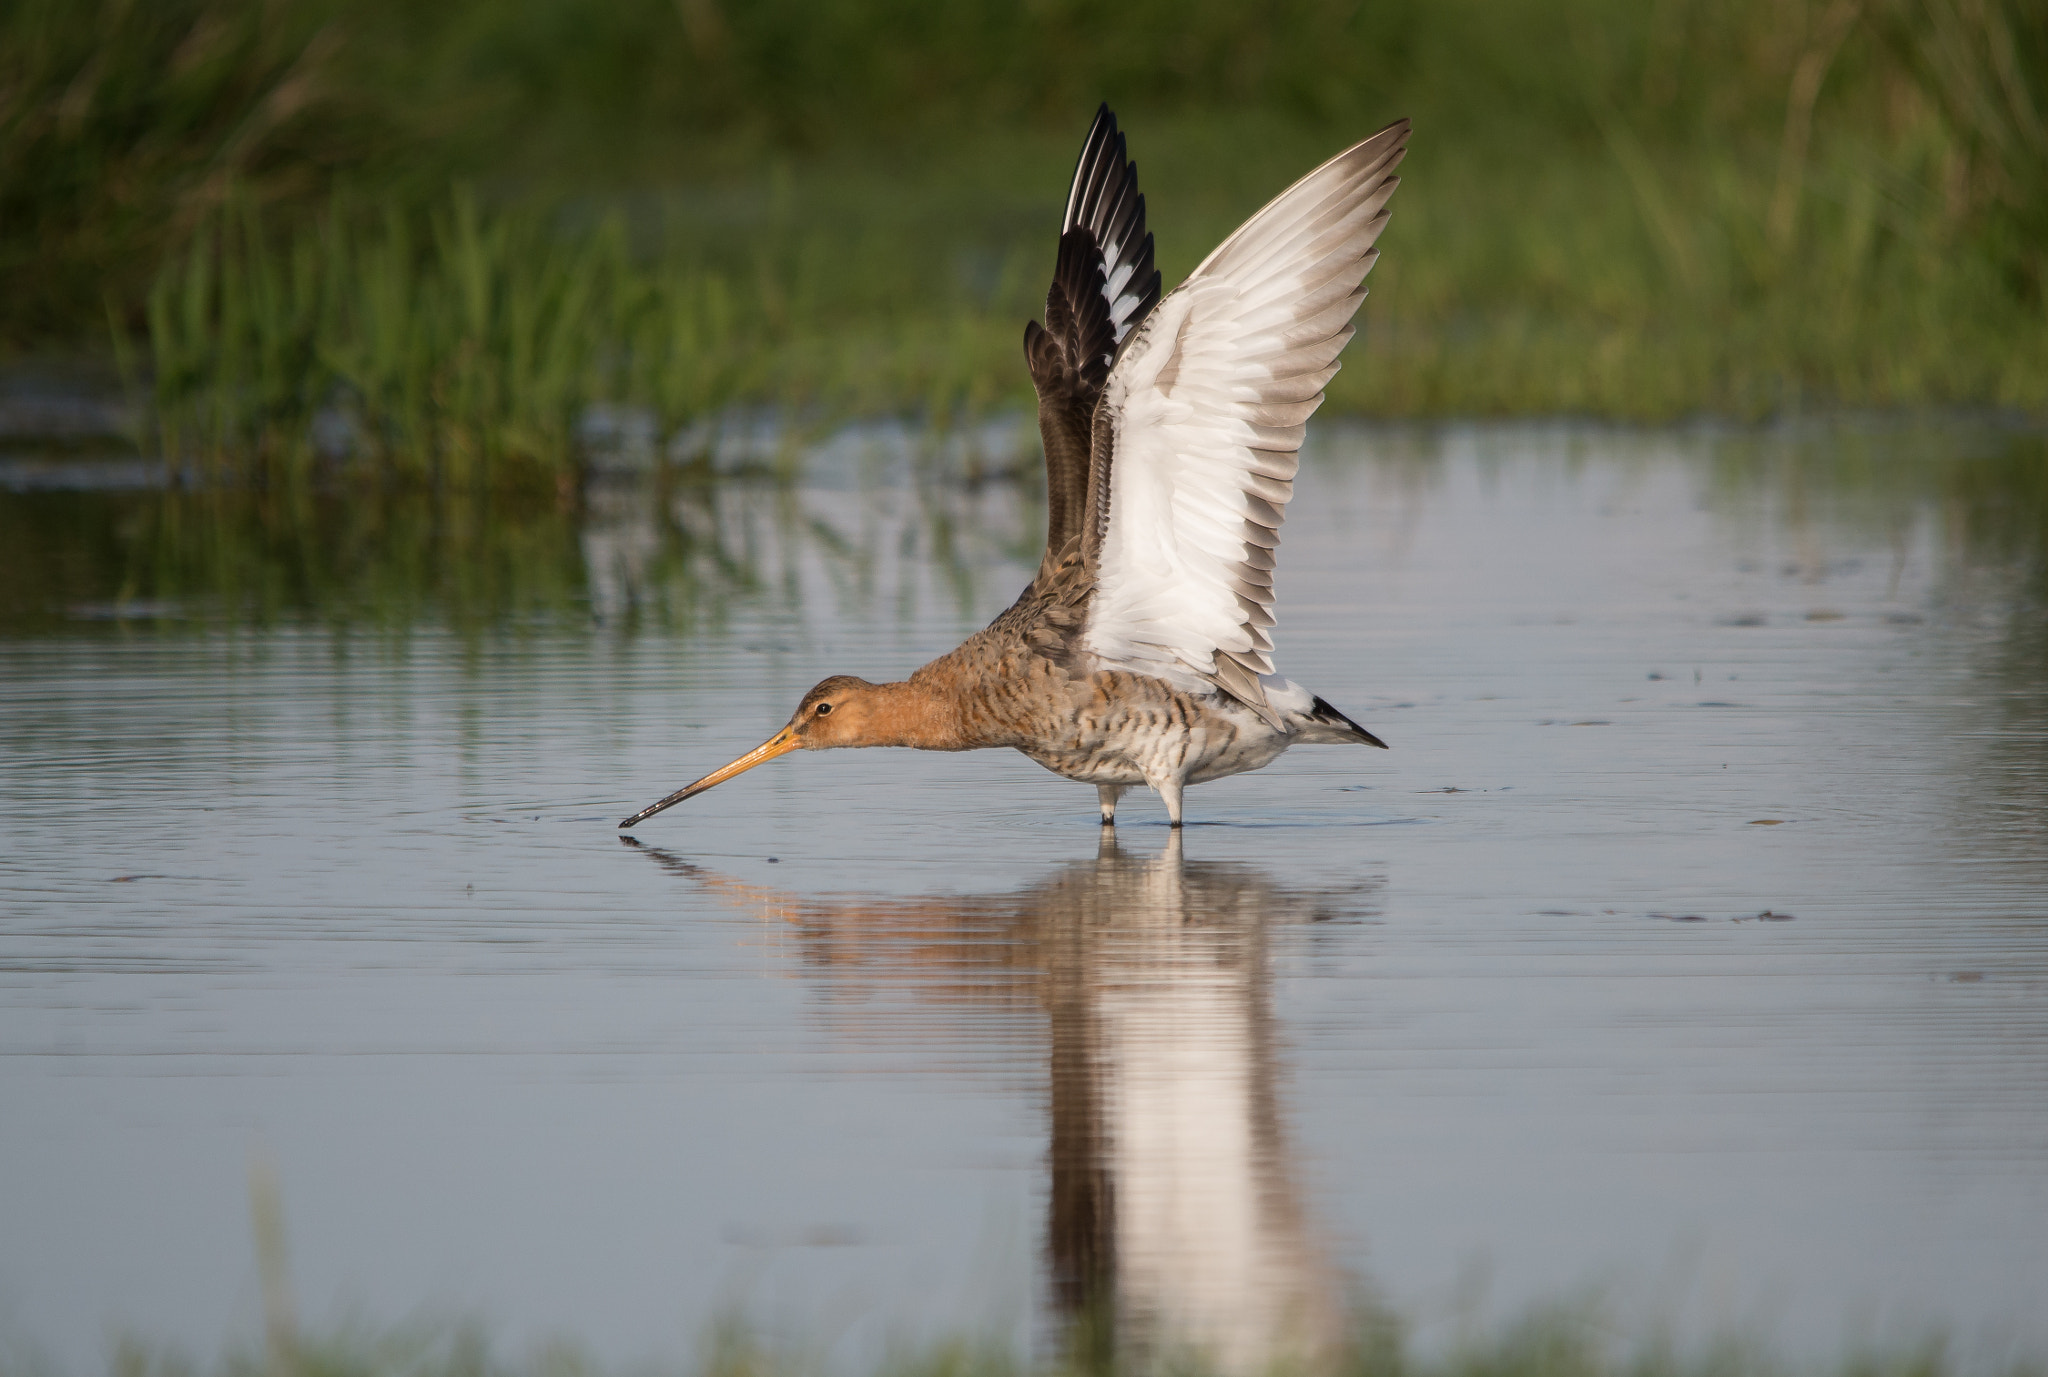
(1103, 284)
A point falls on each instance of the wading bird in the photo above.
(1139, 653)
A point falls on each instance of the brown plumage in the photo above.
(1139, 652)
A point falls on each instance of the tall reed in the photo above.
(462, 345)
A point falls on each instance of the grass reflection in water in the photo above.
(676, 550)
(674, 545)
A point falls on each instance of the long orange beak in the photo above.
(782, 743)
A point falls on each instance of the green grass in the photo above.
(463, 224)
(1566, 1341)
(463, 344)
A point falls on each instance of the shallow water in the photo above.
(1690, 944)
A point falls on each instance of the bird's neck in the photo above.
(916, 715)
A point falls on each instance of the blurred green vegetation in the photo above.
(1559, 1341)
(461, 224)
(457, 343)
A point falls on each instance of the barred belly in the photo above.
(1134, 729)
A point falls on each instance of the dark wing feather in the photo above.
(1103, 285)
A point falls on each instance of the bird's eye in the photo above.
(824, 708)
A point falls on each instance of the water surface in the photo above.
(1691, 942)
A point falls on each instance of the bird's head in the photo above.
(840, 711)
(843, 711)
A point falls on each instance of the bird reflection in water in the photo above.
(1175, 1226)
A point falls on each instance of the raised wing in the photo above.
(1194, 445)
(1103, 284)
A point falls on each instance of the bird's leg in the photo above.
(1169, 790)
(1109, 794)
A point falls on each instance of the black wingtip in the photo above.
(1321, 711)
(1104, 200)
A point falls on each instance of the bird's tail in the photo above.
(1326, 724)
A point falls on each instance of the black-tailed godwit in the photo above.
(1140, 654)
